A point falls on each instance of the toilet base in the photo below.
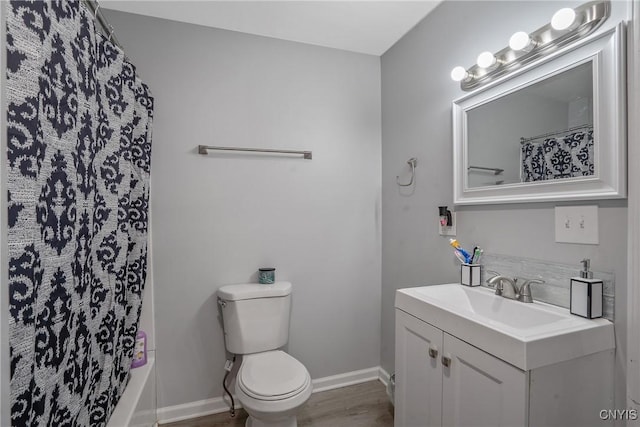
(286, 422)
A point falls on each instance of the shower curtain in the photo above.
(565, 155)
(79, 147)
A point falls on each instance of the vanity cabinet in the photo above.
(479, 389)
(467, 357)
(441, 380)
(418, 393)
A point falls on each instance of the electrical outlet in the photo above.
(577, 224)
(448, 231)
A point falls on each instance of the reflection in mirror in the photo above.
(538, 133)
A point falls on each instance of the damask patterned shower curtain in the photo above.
(565, 155)
(79, 147)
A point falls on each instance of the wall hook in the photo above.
(411, 162)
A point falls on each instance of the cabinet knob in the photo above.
(446, 361)
(433, 353)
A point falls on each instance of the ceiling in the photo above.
(369, 27)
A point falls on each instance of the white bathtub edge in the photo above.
(123, 413)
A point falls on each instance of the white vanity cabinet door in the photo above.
(481, 390)
(418, 393)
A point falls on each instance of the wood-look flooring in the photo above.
(360, 405)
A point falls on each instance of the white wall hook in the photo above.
(411, 162)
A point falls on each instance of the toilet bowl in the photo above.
(272, 386)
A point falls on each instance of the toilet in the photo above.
(271, 385)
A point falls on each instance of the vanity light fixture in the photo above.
(521, 41)
(459, 74)
(567, 25)
(486, 60)
(563, 19)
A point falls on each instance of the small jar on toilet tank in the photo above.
(266, 276)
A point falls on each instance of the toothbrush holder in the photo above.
(470, 274)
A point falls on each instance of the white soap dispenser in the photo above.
(586, 293)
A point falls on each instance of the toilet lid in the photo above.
(272, 375)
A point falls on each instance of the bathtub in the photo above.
(137, 405)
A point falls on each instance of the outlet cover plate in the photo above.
(448, 231)
(577, 224)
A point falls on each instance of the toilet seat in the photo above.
(272, 376)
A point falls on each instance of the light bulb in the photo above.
(486, 59)
(563, 19)
(459, 74)
(520, 41)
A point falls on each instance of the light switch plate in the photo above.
(448, 231)
(577, 224)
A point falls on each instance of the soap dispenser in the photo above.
(586, 293)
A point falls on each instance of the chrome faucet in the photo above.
(525, 290)
(523, 294)
(510, 291)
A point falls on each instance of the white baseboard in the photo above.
(200, 408)
(344, 380)
(383, 376)
(384, 379)
(170, 414)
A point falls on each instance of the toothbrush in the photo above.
(465, 254)
(476, 255)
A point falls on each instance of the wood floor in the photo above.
(361, 405)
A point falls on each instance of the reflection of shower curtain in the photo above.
(79, 146)
(565, 156)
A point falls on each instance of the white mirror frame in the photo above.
(606, 51)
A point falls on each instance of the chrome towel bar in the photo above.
(204, 149)
(496, 171)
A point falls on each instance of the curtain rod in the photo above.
(523, 140)
(94, 7)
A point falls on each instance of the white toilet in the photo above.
(270, 385)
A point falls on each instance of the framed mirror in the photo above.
(553, 130)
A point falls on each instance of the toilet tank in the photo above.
(255, 317)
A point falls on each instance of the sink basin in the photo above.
(509, 313)
(526, 335)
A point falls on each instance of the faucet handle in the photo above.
(528, 282)
(525, 290)
(499, 285)
(493, 273)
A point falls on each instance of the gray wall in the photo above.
(416, 121)
(216, 219)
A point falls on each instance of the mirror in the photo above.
(541, 132)
(553, 130)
